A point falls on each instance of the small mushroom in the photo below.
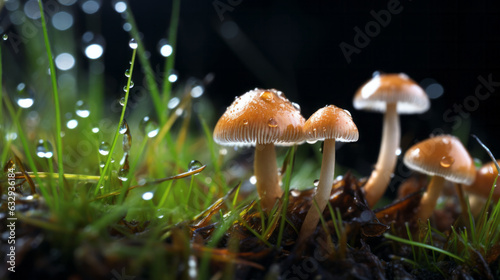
(262, 118)
(328, 124)
(444, 158)
(485, 178)
(391, 94)
(480, 189)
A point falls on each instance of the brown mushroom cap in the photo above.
(443, 156)
(260, 116)
(485, 177)
(392, 88)
(331, 122)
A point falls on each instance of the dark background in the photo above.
(294, 46)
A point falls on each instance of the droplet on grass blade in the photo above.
(194, 164)
(104, 148)
(123, 127)
(133, 44)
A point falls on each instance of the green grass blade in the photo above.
(56, 99)
(149, 73)
(422, 245)
(117, 133)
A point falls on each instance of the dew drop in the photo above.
(347, 112)
(194, 164)
(95, 129)
(123, 127)
(5, 37)
(398, 151)
(102, 164)
(316, 182)
(311, 141)
(44, 149)
(296, 106)
(149, 127)
(127, 73)
(104, 148)
(122, 175)
(133, 44)
(447, 161)
(272, 123)
(122, 101)
(245, 122)
(131, 86)
(127, 142)
(266, 96)
(82, 109)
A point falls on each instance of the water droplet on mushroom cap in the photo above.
(266, 96)
(446, 161)
(272, 123)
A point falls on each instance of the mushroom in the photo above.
(444, 158)
(262, 118)
(485, 178)
(480, 189)
(391, 94)
(330, 124)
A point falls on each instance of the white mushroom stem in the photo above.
(430, 197)
(323, 190)
(266, 173)
(379, 180)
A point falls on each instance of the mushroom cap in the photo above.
(392, 88)
(331, 122)
(260, 116)
(443, 156)
(485, 177)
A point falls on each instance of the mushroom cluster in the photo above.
(265, 118)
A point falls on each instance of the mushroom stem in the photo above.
(323, 190)
(381, 176)
(430, 197)
(266, 173)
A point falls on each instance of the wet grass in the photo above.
(158, 214)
